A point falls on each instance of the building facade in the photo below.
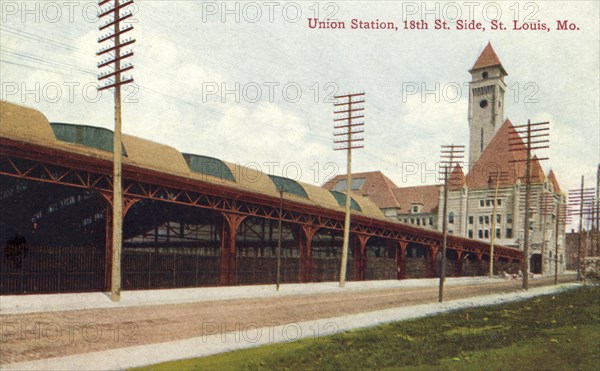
(489, 201)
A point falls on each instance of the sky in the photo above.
(252, 83)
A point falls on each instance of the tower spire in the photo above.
(488, 58)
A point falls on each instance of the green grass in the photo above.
(555, 332)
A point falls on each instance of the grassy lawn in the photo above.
(560, 332)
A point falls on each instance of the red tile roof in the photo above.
(377, 187)
(427, 195)
(497, 156)
(488, 58)
(457, 178)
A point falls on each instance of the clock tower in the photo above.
(486, 101)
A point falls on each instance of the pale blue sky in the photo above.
(183, 46)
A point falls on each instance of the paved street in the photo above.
(33, 336)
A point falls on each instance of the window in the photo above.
(423, 221)
(430, 221)
(470, 219)
(508, 232)
(487, 219)
(451, 218)
(486, 233)
(485, 75)
(450, 231)
(418, 221)
(483, 103)
(480, 233)
(497, 232)
(531, 225)
(480, 219)
(499, 202)
(488, 203)
(470, 233)
(509, 218)
(481, 203)
(498, 218)
(415, 209)
(412, 221)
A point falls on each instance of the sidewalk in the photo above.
(18, 304)
(213, 342)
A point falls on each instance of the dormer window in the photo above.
(415, 208)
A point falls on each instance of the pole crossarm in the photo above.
(115, 79)
(348, 143)
(521, 139)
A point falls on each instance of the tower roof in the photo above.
(488, 58)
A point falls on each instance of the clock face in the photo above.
(483, 103)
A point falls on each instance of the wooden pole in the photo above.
(556, 232)
(278, 280)
(525, 264)
(493, 234)
(345, 244)
(444, 233)
(117, 231)
(579, 260)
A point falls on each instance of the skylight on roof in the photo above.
(341, 200)
(355, 185)
(288, 186)
(89, 136)
(208, 166)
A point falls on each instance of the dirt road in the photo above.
(27, 337)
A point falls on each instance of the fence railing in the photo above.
(28, 269)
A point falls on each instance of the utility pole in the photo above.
(279, 238)
(561, 215)
(597, 207)
(578, 199)
(546, 208)
(526, 138)
(116, 80)
(500, 177)
(451, 156)
(345, 127)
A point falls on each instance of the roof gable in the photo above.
(554, 181)
(498, 156)
(457, 178)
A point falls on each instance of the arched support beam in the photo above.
(431, 260)
(360, 257)
(458, 263)
(229, 230)
(480, 270)
(305, 237)
(128, 202)
(401, 260)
